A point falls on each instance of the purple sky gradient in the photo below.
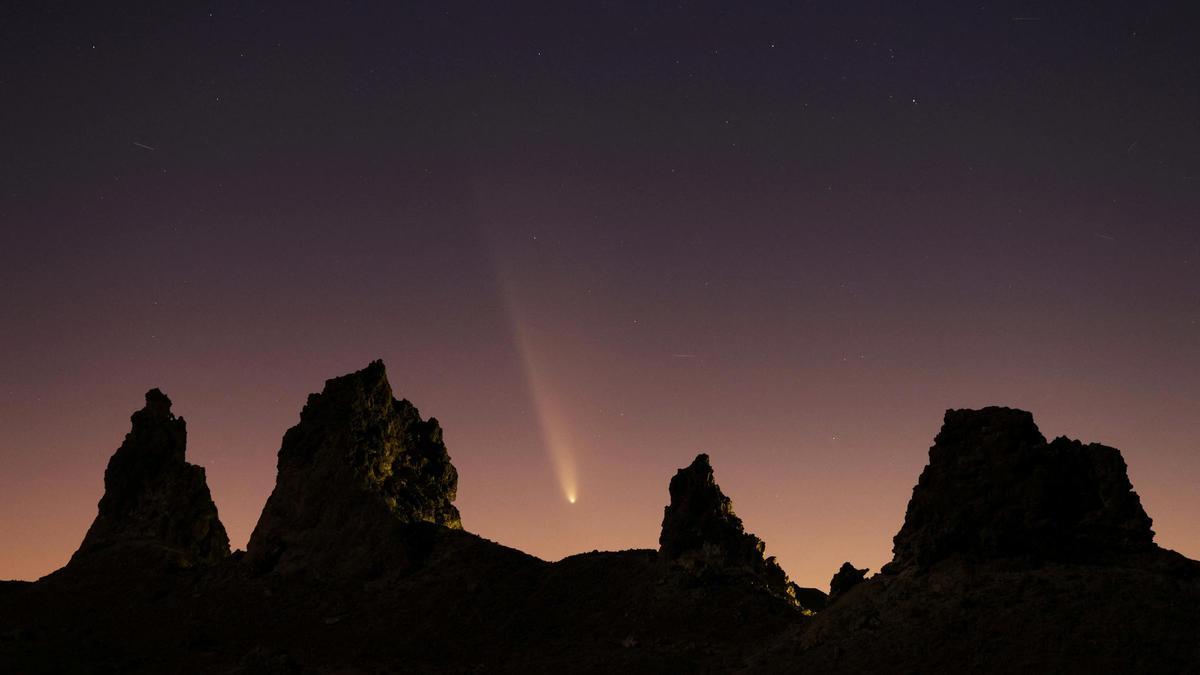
(789, 237)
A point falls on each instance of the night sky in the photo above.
(595, 239)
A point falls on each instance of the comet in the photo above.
(551, 418)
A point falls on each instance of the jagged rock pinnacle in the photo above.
(153, 496)
(995, 488)
(701, 533)
(847, 577)
(358, 464)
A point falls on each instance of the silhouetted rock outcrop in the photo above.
(365, 486)
(847, 577)
(358, 467)
(152, 496)
(994, 488)
(1015, 555)
(702, 534)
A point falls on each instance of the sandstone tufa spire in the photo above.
(359, 465)
(153, 496)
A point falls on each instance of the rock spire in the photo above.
(358, 467)
(152, 496)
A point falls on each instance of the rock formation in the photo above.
(702, 534)
(995, 488)
(847, 577)
(358, 466)
(1017, 556)
(152, 496)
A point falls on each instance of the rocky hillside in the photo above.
(1016, 555)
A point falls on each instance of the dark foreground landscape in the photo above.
(1016, 555)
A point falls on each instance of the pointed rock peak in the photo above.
(358, 464)
(702, 534)
(699, 512)
(158, 405)
(371, 381)
(700, 465)
(155, 432)
(363, 390)
(153, 496)
(847, 577)
(995, 488)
